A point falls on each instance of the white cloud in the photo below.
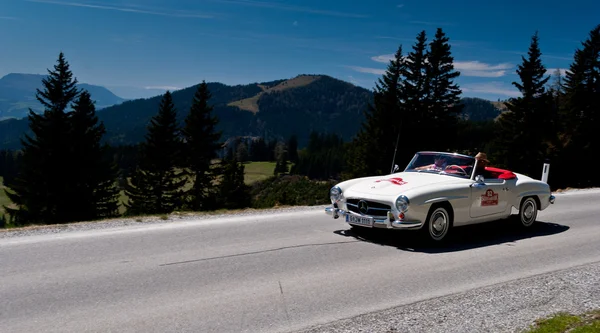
(482, 73)
(136, 9)
(396, 38)
(384, 58)
(280, 6)
(171, 88)
(295, 23)
(466, 68)
(432, 23)
(557, 57)
(7, 18)
(400, 6)
(368, 70)
(496, 88)
(480, 69)
(480, 66)
(550, 71)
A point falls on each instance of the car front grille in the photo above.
(375, 208)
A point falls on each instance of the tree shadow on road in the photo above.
(503, 232)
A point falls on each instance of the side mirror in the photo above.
(479, 179)
(396, 168)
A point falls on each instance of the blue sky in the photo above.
(130, 46)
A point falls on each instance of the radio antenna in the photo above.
(395, 149)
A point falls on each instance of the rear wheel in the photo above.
(439, 222)
(528, 211)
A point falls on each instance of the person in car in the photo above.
(439, 164)
(482, 162)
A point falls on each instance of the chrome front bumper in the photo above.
(386, 223)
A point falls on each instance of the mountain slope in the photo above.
(275, 109)
(17, 95)
(478, 109)
(294, 106)
(251, 104)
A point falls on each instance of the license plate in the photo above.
(362, 220)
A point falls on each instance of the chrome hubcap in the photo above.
(528, 215)
(439, 224)
(528, 211)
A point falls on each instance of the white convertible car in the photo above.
(438, 191)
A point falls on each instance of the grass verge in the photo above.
(564, 322)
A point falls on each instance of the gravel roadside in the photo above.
(507, 307)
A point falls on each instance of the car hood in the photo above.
(395, 184)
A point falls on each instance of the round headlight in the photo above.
(335, 194)
(402, 203)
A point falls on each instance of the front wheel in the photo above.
(528, 212)
(438, 224)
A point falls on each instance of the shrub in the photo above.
(290, 190)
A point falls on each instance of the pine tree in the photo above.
(443, 100)
(42, 186)
(283, 162)
(8, 165)
(156, 187)
(416, 90)
(201, 145)
(292, 149)
(241, 152)
(277, 169)
(383, 122)
(522, 133)
(581, 111)
(95, 193)
(556, 91)
(259, 150)
(233, 191)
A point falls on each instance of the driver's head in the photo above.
(482, 160)
(439, 161)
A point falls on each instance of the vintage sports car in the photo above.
(438, 191)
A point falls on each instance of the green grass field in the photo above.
(254, 171)
(3, 198)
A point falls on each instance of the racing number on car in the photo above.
(489, 198)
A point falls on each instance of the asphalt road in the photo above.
(269, 273)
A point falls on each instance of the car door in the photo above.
(489, 197)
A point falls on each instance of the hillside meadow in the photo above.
(254, 171)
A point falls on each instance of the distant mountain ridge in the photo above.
(274, 109)
(297, 106)
(17, 95)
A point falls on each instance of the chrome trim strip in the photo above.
(407, 224)
(447, 198)
(526, 194)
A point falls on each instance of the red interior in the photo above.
(500, 173)
(497, 172)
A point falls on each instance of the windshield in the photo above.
(442, 163)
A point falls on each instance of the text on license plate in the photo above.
(362, 220)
